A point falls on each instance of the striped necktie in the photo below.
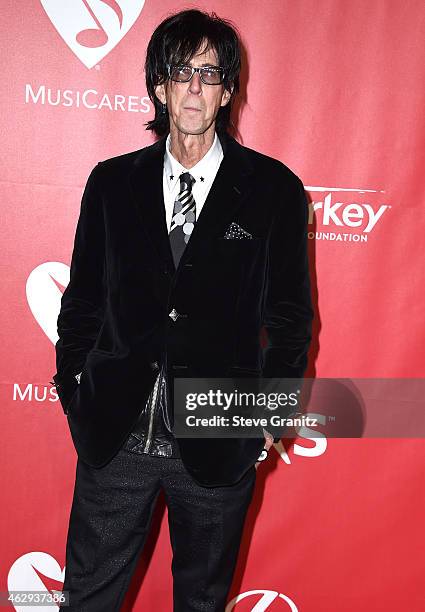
(184, 216)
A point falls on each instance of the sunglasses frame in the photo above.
(200, 70)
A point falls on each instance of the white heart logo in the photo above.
(44, 293)
(92, 28)
(36, 571)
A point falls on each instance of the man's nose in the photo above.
(195, 83)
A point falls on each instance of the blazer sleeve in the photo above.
(288, 310)
(83, 301)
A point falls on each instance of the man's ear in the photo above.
(160, 93)
(226, 95)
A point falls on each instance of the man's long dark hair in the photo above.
(175, 41)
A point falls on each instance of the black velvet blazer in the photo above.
(114, 324)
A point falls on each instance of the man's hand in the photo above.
(269, 443)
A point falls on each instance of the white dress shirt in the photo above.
(204, 172)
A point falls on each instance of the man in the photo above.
(183, 251)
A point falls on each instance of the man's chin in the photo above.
(192, 127)
(192, 130)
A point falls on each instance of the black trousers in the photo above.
(109, 521)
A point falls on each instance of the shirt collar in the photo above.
(205, 168)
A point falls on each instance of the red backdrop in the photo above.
(335, 90)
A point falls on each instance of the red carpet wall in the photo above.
(335, 90)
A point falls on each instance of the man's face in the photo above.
(193, 106)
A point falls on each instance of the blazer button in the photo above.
(175, 315)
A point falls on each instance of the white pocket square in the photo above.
(235, 231)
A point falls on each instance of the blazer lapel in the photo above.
(230, 188)
(146, 184)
